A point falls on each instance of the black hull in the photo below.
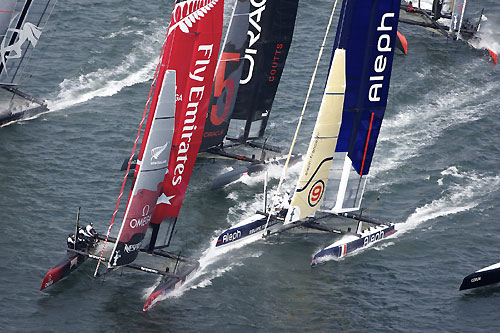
(10, 117)
(481, 278)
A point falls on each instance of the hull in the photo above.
(483, 277)
(352, 242)
(170, 283)
(8, 117)
(67, 264)
(249, 229)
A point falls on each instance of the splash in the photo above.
(466, 191)
(136, 67)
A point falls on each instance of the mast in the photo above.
(314, 176)
(299, 123)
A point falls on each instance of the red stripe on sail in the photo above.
(366, 145)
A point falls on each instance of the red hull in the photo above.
(62, 268)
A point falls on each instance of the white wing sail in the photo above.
(312, 182)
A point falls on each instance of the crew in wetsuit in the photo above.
(284, 204)
(71, 241)
(90, 231)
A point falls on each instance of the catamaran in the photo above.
(21, 24)
(482, 277)
(177, 105)
(336, 166)
(445, 17)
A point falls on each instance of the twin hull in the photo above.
(253, 228)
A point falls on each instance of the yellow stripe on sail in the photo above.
(312, 182)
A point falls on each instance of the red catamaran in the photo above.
(177, 111)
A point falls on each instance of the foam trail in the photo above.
(136, 67)
(460, 198)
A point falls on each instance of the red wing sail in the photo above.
(193, 56)
(178, 107)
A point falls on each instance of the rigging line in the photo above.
(285, 167)
(153, 84)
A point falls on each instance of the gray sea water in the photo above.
(435, 171)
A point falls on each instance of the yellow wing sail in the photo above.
(312, 182)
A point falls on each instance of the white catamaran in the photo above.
(340, 152)
(21, 24)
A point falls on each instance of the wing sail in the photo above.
(368, 34)
(314, 176)
(26, 21)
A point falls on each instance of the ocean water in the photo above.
(435, 171)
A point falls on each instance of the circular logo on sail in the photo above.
(316, 193)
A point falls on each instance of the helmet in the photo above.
(91, 224)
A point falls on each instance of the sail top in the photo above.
(368, 34)
(21, 24)
(249, 70)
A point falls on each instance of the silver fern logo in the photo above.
(29, 32)
(188, 12)
(156, 152)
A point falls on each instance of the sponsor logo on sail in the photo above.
(316, 193)
(156, 152)
(198, 83)
(144, 220)
(187, 13)
(29, 32)
(380, 64)
(254, 36)
(132, 247)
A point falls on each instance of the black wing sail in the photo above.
(245, 87)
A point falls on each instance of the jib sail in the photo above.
(21, 24)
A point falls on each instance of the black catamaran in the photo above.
(247, 78)
(177, 106)
(482, 277)
(337, 163)
(445, 17)
(21, 24)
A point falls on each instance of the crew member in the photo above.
(71, 241)
(90, 231)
